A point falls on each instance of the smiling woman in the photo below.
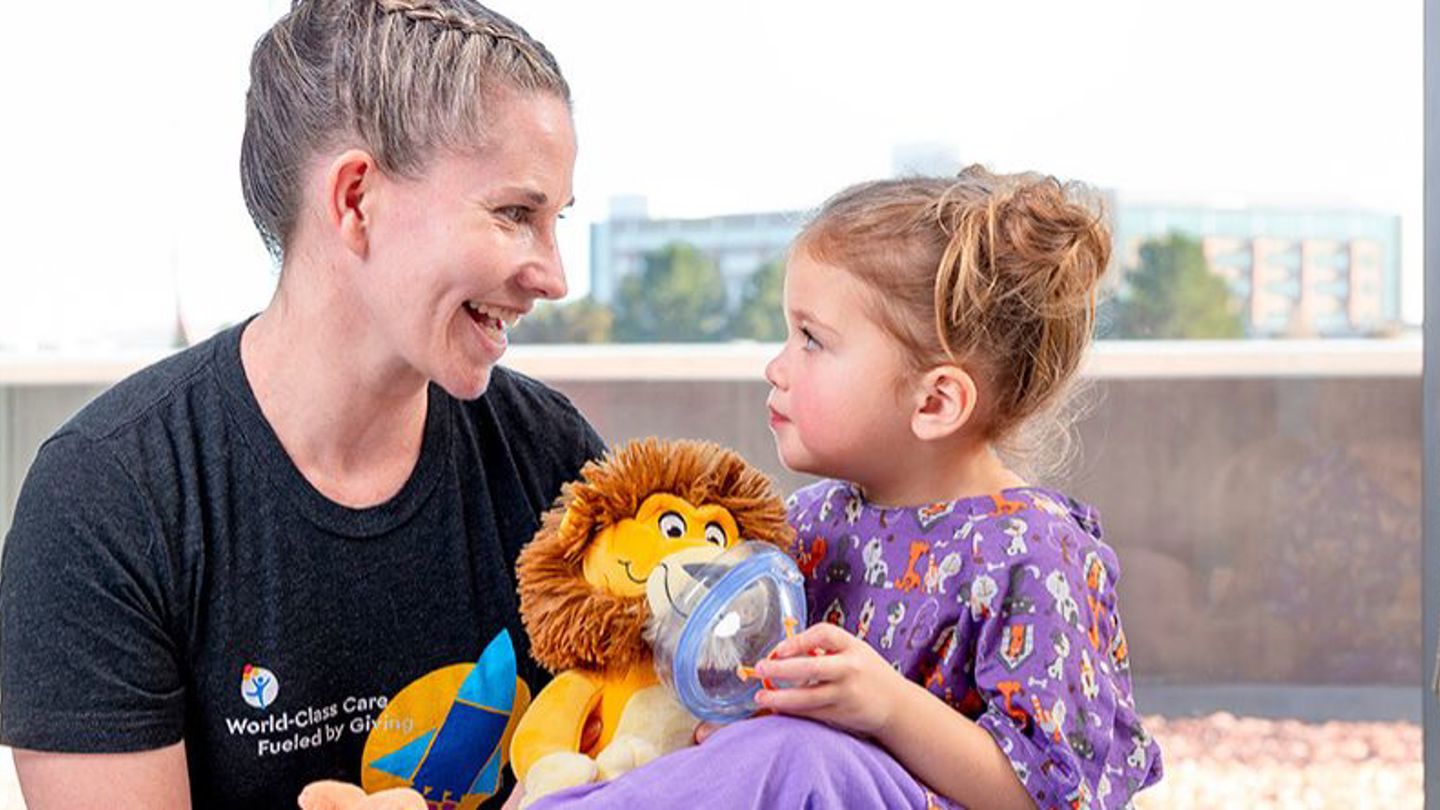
(347, 467)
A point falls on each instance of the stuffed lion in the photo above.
(610, 556)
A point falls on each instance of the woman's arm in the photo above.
(144, 780)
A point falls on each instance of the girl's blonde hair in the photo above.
(401, 78)
(995, 273)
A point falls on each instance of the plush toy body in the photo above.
(610, 556)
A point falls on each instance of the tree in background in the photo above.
(1172, 295)
(582, 321)
(679, 296)
(761, 314)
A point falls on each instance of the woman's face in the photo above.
(456, 256)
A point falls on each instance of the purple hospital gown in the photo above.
(1004, 607)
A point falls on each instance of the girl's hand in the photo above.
(839, 679)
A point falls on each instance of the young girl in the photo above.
(968, 619)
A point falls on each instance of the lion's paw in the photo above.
(555, 772)
(625, 754)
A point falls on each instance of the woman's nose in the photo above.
(545, 276)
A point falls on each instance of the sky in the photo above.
(122, 198)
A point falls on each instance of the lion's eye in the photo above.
(672, 525)
(715, 534)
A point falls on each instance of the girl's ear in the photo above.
(945, 402)
(349, 184)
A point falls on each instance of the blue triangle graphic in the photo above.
(492, 683)
(404, 762)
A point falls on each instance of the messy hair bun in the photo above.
(996, 273)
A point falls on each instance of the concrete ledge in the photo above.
(1312, 704)
(1159, 359)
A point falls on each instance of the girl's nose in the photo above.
(774, 370)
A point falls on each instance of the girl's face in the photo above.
(456, 256)
(835, 408)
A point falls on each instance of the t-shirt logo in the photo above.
(446, 735)
(258, 686)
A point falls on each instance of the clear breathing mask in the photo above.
(732, 613)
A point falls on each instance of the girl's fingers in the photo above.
(799, 700)
(824, 637)
(801, 669)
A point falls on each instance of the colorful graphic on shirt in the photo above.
(447, 733)
(258, 686)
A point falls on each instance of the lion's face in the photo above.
(623, 556)
(607, 551)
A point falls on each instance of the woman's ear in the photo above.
(945, 402)
(348, 187)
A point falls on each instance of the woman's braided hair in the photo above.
(400, 78)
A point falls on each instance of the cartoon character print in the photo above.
(1004, 505)
(941, 572)
(877, 573)
(983, 591)
(852, 509)
(1096, 576)
(1015, 528)
(1079, 743)
(825, 508)
(1065, 603)
(1079, 798)
(1017, 598)
(1089, 686)
(1010, 691)
(927, 516)
(1019, 643)
(867, 615)
(1051, 720)
(893, 615)
(809, 558)
(1139, 757)
(943, 650)
(1119, 649)
(838, 570)
(911, 579)
(1056, 670)
(835, 614)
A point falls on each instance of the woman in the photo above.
(224, 568)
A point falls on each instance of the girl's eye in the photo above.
(811, 344)
(672, 525)
(715, 534)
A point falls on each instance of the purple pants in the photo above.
(766, 762)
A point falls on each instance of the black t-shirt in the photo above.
(170, 574)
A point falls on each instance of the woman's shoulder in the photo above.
(162, 393)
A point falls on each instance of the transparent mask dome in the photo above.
(736, 608)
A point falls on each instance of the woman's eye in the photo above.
(672, 525)
(515, 213)
(715, 534)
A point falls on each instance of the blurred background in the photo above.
(1253, 437)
